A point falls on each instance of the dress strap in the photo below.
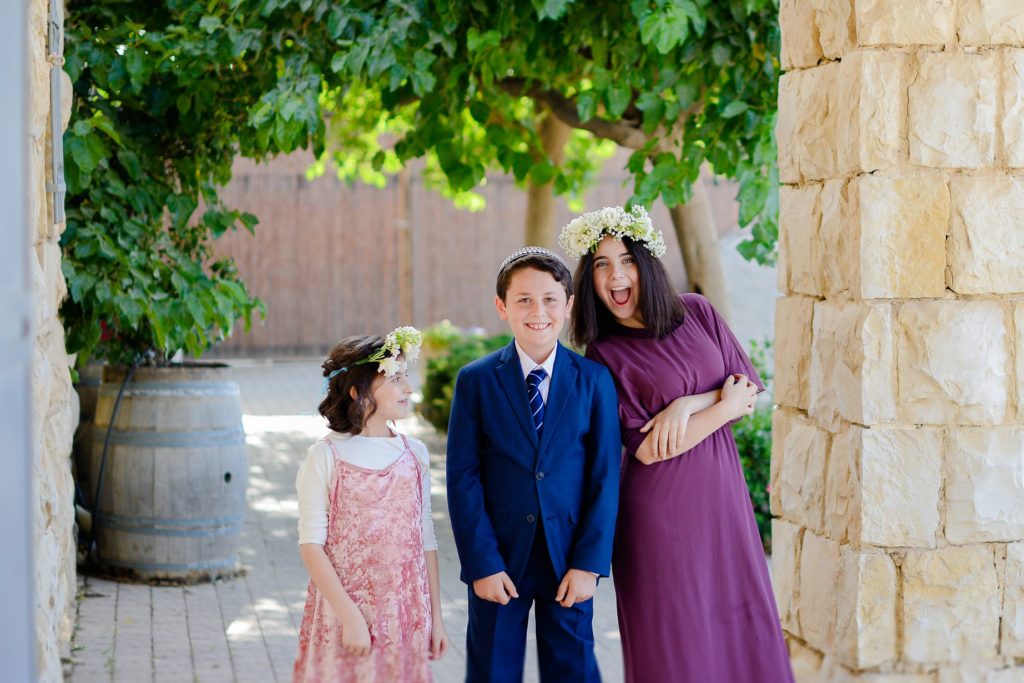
(405, 441)
(334, 451)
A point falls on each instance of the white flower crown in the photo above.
(583, 233)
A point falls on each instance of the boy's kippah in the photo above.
(529, 251)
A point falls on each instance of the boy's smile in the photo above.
(535, 306)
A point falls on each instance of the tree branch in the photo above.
(565, 109)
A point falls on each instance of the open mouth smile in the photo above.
(537, 327)
(621, 295)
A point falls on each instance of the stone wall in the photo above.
(898, 468)
(54, 403)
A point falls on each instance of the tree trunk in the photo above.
(698, 240)
(540, 200)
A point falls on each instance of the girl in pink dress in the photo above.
(373, 610)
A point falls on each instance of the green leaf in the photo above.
(586, 105)
(542, 173)
(618, 97)
(210, 23)
(734, 108)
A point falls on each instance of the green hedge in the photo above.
(447, 350)
(754, 442)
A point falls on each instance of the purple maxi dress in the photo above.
(694, 597)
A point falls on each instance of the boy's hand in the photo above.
(438, 639)
(577, 586)
(355, 636)
(495, 588)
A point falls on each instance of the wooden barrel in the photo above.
(172, 499)
(88, 389)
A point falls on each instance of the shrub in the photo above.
(754, 441)
(450, 350)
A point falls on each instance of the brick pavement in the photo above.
(246, 629)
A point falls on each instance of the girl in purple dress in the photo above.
(694, 597)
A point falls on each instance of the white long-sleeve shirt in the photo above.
(314, 478)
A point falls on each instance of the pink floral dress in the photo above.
(375, 542)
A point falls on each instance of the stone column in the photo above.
(54, 403)
(898, 461)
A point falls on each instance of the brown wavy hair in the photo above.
(344, 413)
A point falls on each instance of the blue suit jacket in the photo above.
(503, 480)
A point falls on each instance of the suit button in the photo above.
(530, 519)
(540, 475)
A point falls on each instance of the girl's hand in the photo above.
(739, 396)
(355, 636)
(438, 639)
(667, 429)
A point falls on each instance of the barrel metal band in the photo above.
(190, 439)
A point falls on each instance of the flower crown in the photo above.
(583, 233)
(402, 341)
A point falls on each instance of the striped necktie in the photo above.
(533, 381)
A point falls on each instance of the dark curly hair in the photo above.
(344, 413)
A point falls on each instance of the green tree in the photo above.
(680, 82)
(166, 95)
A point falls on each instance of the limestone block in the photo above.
(871, 99)
(799, 223)
(806, 663)
(950, 605)
(986, 245)
(984, 472)
(975, 672)
(843, 487)
(866, 615)
(900, 478)
(953, 362)
(802, 476)
(1013, 602)
(800, 37)
(793, 316)
(807, 126)
(901, 222)
(852, 364)
(786, 546)
(991, 22)
(1018, 326)
(815, 30)
(1013, 104)
(905, 22)
(836, 27)
(786, 129)
(782, 418)
(817, 598)
(953, 110)
(839, 260)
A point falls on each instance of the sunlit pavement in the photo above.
(246, 629)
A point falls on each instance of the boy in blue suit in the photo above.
(533, 482)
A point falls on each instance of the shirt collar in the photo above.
(528, 363)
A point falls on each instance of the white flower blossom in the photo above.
(583, 233)
(389, 366)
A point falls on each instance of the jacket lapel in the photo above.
(510, 376)
(558, 395)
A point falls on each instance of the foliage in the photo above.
(463, 84)
(165, 96)
(753, 436)
(449, 353)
